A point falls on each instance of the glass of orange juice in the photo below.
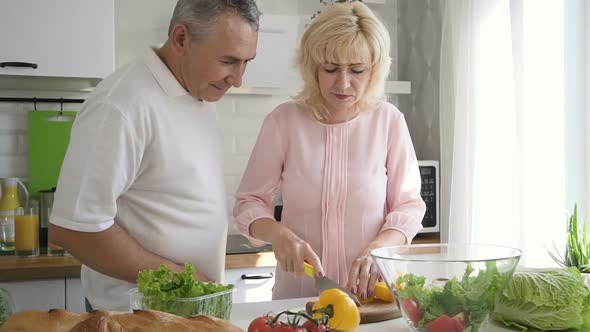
(52, 248)
(26, 230)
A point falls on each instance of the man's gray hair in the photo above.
(200, 15)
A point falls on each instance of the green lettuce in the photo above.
(472, 295)
(545, 299)
(6, 306)
(167, 291)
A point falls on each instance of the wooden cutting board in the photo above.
(376, 311)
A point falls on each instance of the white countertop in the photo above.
(243, 313)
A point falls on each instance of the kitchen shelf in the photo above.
(391, 87)
(256, 91)
(398, 87)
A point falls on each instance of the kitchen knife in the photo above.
(323, 283)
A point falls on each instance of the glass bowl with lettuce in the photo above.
(180, 294)
(446, 287)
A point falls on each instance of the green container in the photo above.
(217, 304)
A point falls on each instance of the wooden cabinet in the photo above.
(253, 284)
(58, 38)
(37, 294)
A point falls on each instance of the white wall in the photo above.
(587, 97)
(418, 49)
(575, 78)
(13, 140)
(138, 25)
(586, 60)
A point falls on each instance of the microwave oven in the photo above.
(429, 172)
(430, 192)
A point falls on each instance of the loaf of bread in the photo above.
(58, 320)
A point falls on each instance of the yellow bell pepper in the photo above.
(340, 308)
(365, 301)
(382, 292)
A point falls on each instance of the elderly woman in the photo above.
(343, 158)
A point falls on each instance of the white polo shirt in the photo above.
(146, 155)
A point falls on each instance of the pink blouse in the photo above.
(341, 184)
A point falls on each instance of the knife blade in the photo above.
(323, 283)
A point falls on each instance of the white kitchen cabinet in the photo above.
(60, 38)
(253, 284)
(37, 294)
(74, 295)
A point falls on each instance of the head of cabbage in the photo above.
(544, 299)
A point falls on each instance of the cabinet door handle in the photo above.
(19, 64)
(257, 276)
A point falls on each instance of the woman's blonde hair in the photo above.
(344, 32)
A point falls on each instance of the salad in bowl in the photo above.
(444, 287)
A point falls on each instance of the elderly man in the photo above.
(142, 180)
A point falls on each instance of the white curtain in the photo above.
(502, 125)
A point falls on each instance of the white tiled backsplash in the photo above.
(13, 140)
(240, 115)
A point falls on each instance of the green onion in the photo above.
(577, 249)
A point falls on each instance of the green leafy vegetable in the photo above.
(179, 293)
(545, 299)
(577, 249)
(6, 306)
(473, 296)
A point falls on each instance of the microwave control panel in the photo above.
(428, 193)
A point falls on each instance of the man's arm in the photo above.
(112, 252)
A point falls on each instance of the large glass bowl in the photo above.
(446, 287)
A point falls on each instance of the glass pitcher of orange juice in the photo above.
(26, 230)
(9, 201)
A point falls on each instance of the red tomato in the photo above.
(311, 327)
(261, 324)
(286, 328)
(443, 323)
(410, 308)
